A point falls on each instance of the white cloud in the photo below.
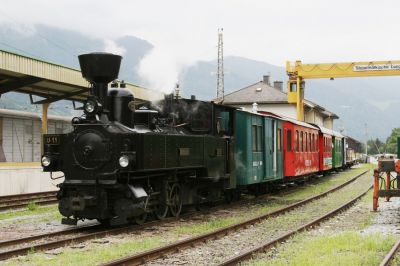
(111, 47)
(273, 31)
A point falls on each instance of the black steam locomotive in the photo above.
(122, 162)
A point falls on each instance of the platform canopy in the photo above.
(50, 81)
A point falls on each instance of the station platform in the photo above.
(19, 178)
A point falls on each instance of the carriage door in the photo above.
(279, 149)
(258, 158)
(268, 147)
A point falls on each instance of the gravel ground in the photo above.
(387, 219)
(214, 252)
(28, 225)
(170, 232)
(360, 218)
(18, 230)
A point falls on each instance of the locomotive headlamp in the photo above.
(124, 161)
(46, 161)
(90, 107)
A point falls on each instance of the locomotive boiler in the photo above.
(122, 162)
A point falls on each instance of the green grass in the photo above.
(324, 185)
(347, 248)
(32, 213)
(92, 254)
(97, 253)
(204, 227)
(32, 206)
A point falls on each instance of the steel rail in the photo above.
(266, 246)
(115, 231)
(74, 239)
(153, 254)
(22, 200)
(80, 229)
(22, 205)
(390, 256)
(83, 229)
(26, 195)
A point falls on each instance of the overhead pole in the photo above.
(220, 67)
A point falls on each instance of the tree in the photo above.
(391, 141)
(376, 146)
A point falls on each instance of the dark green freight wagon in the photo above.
(258, 153)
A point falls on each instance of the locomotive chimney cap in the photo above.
(100, 67)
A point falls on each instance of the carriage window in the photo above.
(259, 138)
(279, 139)
(305, 142)
(316, 142)
(297, 141)
(273, 135)
(309, 142)
(312, 142)
(327, 145)
(301, 141)
(254, 137)
(289, 140)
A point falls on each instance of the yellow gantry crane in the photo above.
(298, 72)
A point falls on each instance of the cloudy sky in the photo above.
(272, 31)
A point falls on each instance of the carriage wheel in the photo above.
(141, 219)
(161, 210)
(175, 200)
(228, 196)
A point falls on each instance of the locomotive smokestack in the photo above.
(100, 69)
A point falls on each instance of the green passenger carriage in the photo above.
(258, 152)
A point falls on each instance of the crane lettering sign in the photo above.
(376, 67)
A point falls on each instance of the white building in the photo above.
(20, 134)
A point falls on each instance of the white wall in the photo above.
(312, 116)
(328, 123)
(288, 110)
(22, 138)
(17, 180)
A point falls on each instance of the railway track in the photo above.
(47, 241)
(390, 256)
(160, 252)
(22, 200)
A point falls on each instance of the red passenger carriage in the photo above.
(301, 150)
(325, 147)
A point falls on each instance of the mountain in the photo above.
(200, 78)
(62, 47)
(358, 102)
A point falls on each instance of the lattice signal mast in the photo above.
(220, 70)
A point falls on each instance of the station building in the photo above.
(272, 98)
